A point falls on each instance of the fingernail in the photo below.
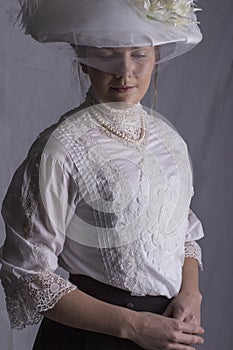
(202, 330)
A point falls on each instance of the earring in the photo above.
(117, 76)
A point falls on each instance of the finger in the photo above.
(179, 314)
(191, 328)
(190, 339)
(181, 347)
(191, 319)
(195, 320)
(186, 339)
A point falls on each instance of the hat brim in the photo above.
(105, 23)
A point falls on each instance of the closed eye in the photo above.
(139, 56)
(103, 56)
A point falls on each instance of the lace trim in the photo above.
(33, 294)
(114, 111)
(29, 201)
(126, 119)
(193, 250)
(129, 114)
(129, 121)
(103, 172)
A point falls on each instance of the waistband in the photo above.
(120, 297)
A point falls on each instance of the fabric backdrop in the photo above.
(195, 92)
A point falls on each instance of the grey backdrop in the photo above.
(195, 94)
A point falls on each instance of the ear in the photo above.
(84, 68)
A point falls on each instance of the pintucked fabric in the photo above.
(98, 206)
(55, 336)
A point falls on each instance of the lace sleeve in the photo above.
(193, 250)
(35, 236)
(194, 232)
(32, 294)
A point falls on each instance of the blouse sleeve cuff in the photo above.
(33, 294)
(193, 250)
(195, 229)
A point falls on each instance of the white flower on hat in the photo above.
(175, 12)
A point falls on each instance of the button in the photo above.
(130, 306)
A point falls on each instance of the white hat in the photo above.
(170, 24)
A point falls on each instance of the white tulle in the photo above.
(110, 23)
(98, 207)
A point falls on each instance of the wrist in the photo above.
(129, 326)
(192, 292)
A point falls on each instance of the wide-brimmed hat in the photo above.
(170, 24)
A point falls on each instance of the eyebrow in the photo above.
(137, 47)
(115, 48)
(128, 47)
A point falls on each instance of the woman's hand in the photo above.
(157, 332)
(186, 307)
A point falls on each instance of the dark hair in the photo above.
(157, 58)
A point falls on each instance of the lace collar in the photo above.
(116, 112)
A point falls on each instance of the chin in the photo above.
(126, 97)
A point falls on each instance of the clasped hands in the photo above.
(177, 329)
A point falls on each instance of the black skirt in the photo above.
(55, 336)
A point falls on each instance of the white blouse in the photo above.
(99, 206)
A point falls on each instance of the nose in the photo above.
(125, 67)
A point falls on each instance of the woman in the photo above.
(105, 192)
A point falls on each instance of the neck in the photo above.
(91, 98)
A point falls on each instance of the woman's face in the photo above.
(128, 76)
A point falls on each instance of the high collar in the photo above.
(116, 112)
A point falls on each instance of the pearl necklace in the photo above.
(121, 134)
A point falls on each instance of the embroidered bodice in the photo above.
(98, 205)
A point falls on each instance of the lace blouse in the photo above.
(99, 206)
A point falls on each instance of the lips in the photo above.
(122, 88)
